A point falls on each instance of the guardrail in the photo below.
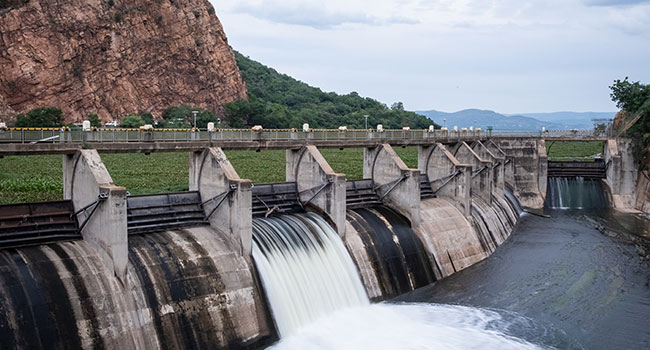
(63, 135)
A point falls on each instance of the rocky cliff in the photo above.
(115, 57)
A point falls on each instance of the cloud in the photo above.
(315, 15)
(615, 2)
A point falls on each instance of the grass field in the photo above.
(38, 178)
(573, 150)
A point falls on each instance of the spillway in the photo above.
(305, 270)
(575, 193)
(390, 256)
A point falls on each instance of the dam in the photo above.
(231, 264)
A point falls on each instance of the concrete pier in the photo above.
(449, 178)
(318, 185)
(100, 207)
(397, 185)
(226, 198)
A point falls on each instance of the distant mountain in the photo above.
(523, 121)
(484, 118)
(571, 120)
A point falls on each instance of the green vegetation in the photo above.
(94, 120)
(634, 99)
(573, 150)
(30, 179)
(41, 118)
(38, 178)
(132, 121)
(182, 117)
(279, 101)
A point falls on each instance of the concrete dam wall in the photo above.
(158, 277)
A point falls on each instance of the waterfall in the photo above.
(575, 193)
(305, 269)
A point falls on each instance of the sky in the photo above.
(511, 56)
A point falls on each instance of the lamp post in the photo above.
(444, 122)
(194, 113)
(366, 116)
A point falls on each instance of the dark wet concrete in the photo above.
(563, 272)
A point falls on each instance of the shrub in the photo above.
(94, 120)
(41, 117)
(132, 121)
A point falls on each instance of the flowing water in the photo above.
(305, 270)
(575, 193)
(412, 326)
(318, 301)
(514, 201)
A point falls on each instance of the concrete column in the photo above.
(84, 178)
(214, 177)
(439, 164)
(482, 182)
(318, 184)
(498, 167)
(385, 167)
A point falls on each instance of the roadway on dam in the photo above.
(583, 280)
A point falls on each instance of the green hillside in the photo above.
(279, 101)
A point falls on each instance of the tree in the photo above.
(94, 120)
(132, 121)
(147, 117)
(629, 96)
(41, 117)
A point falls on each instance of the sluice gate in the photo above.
(592, 170)
(159, 212)
(27, 224)
(276, 198)
(361, 194)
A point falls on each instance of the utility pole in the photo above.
(366, 116)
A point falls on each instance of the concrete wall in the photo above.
(440, 166)
(84, 178)
(385, 167)
(482, 175)
(622, 172)
(214, 177)
(530, 167)
(318, 184)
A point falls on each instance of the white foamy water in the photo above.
(305, 269)
(406, 326)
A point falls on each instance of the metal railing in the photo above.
(62, 135)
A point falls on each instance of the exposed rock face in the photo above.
(6, 112)
(115, 57)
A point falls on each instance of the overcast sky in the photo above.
(512, 56)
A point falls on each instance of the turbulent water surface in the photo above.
(565, 273)
(413, 326)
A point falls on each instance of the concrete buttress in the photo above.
(482, 182)
(398, 186)
(227, 198)
(449, 178)
(89, 185)
(318, 185)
